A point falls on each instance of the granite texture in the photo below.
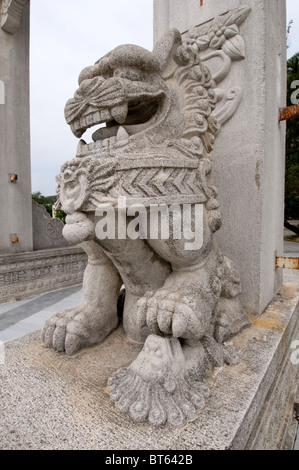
(53, 401)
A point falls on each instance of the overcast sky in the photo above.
(66, 36)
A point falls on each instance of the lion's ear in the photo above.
(165, 52)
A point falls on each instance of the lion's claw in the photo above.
(76, 328)
(168, 313)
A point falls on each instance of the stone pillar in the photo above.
(249, 152)
(15, 171)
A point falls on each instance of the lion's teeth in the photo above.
(122, 135)
(96, 117)
(119, 113)
(77, 131)
(89, 120)
(105, 116)
(80, 147)
(83, 123)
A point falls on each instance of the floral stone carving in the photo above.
(11, 13)
(161, 111)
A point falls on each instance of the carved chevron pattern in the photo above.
(157, 182)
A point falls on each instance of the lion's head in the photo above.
(154, 130)
(136, 99)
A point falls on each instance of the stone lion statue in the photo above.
(155, 131)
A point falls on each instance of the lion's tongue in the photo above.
(119, 113)
(104, 133)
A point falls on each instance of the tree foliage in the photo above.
(47, 202)
(292, 145)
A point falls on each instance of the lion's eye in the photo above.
(129, 74)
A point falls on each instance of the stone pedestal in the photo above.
(53, 401)
(248, 162)
(15, 172)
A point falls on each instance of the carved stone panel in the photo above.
(219, 43)
(11, 14)
(29, 274)
(47, 232)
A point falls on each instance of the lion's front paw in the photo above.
(169, 313)
(76, 328)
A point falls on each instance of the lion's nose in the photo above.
(89, 85)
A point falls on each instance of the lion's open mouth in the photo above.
(117, 125)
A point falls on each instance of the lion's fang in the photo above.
(122, 135)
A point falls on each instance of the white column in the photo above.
(15, 169)
(249, 153)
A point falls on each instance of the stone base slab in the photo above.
(51, 401)
(27, 275)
